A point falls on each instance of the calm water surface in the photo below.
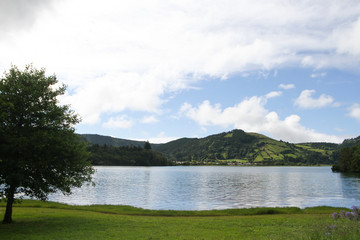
(200, 188)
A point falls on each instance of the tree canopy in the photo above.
(39, 151)
(147, 145)
(348, 160)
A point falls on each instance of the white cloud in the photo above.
(149, 119)
(118, 55)
(159, 138)
(307, 61)
(354, 111)
(119, 122)
(273, 94)
(287, 86)
(348, 38)
(248, 114)
(306, 101)
(116, 92)
(18, 15)
(252, 116)
(275, 73)
(162, 138)
(316, 75)
(340, 130)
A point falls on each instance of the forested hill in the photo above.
(350, 142)
(111, 141)
(239, 147)
(125, 156)
(109, 151)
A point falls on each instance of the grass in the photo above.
(47, 220)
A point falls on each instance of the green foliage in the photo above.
(147, 145)
(125, 156)
(39, 151)
(348, 160)
(347, 156)
(350, 142)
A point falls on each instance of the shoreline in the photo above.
(127, 209)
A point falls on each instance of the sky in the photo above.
(159, 70)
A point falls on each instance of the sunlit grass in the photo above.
(38, 220)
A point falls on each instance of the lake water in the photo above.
(203, 187)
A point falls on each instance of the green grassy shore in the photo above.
(48, 220)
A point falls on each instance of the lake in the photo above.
(217, 187)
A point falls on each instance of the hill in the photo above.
(109, 151)
(350, 142)
(239, 147)
(234, 147)
(125, 156)
(111, 141)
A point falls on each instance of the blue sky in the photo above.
(161, 70)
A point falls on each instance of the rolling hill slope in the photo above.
(239, 147)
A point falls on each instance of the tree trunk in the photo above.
(9, 205)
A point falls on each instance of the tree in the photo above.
(39, 151)
(147, 145)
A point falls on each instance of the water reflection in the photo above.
(198, 188)
(350, 186)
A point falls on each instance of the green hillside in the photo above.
(234, 147)
(238, 147)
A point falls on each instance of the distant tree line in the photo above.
(126, 156)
